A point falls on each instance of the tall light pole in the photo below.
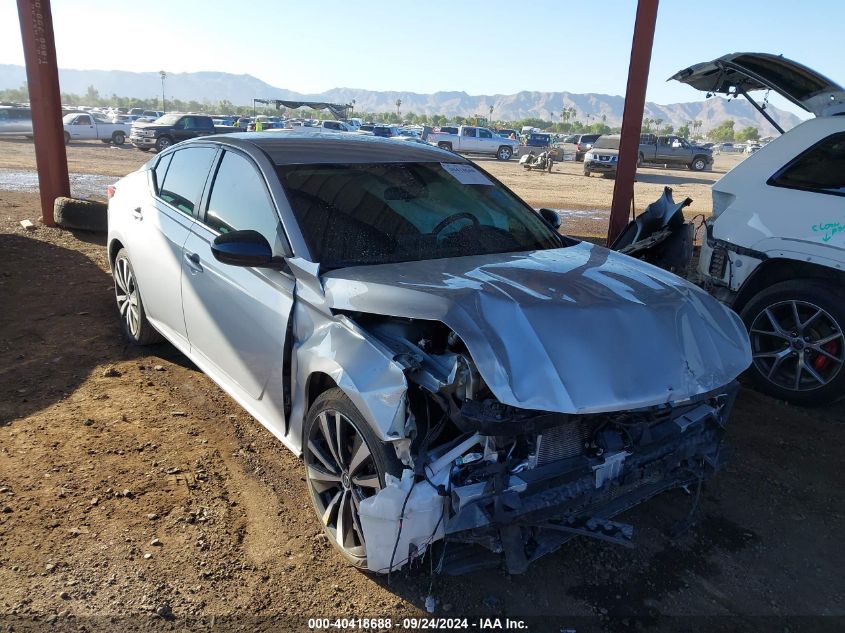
(163, 77)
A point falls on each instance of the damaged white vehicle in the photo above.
(453, 371)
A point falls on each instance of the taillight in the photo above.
(110, 191)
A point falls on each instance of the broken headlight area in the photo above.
(487, 481)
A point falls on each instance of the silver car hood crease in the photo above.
(573, 330)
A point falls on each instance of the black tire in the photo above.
(640, 160)
(446, 146)
(587, 173)
(138, 329)
(81, 215)
(699, 163)
(118, 138)
(504, 153)
(163, 143)
(67, 138)
(821, 313)
(317, 455)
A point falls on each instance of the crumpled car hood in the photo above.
(573, 330)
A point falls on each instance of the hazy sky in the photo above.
(481, 47)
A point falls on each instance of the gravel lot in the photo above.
(135, 494)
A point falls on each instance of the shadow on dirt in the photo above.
(58, 323)
(667, 179)
(629, 603)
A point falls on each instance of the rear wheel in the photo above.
(797, 342)
(134, 317)
(345, 463)
(118, 138)
(504, 153)
(446, 146)
(587, 172)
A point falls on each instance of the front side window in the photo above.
(820, 168)
(239, 200)
(185, 177)
(358, 214)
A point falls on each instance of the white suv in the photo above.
(775, 244)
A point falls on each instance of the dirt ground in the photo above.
(134, 494)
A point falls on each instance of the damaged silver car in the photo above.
(454, 372)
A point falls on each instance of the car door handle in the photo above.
(193, 262)
(137, 213)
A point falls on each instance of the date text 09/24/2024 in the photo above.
(417, 624)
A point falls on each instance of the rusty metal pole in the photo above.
(632, 117)
(42, 76)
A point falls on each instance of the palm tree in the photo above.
(398, 103)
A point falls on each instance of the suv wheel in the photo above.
(344, 464)
(797, 342)
(698, 164)
(504, 153)
(163, 143)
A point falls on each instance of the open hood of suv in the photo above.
(744, 72)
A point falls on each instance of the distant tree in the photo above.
(749, 133)
(92, 96)
(724, 131)
(683, 131)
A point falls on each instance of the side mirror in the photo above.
(551, 217)
(244, 248)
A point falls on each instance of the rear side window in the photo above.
(185, 177)
(820, 168)
(239, 200)
(160, 171)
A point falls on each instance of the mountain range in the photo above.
(212, 87)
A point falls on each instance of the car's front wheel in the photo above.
(797, 342)
(132, 313)
(344, 464)
(698, 164)
(504, 153)
(163, 143)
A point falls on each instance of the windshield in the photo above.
(168, 119)
(607, 142)
(397, 212)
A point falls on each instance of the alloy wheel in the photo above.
(797, 345)
(126, 291)
(341, 473)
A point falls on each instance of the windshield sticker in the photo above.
(466, 174)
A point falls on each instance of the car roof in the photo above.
(292, 147)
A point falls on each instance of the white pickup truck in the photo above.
(83, 126)
(476, 140)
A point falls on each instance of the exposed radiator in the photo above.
(561, 442)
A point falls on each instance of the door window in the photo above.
(83, 120)
(160, 171)
(185, 177)
(485, 134)
(239, 200)
(821, 168)
(469, 131)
